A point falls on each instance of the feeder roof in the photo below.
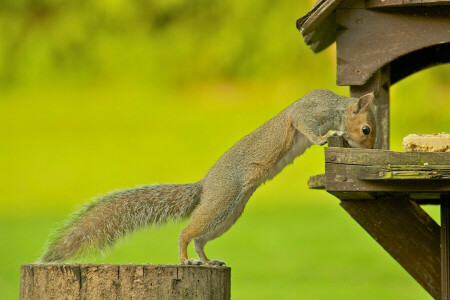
(318, 26)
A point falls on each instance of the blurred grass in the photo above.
(289, 250)
(98, 96)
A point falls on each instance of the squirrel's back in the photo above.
(263, 153)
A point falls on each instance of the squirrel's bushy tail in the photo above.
(100, 223)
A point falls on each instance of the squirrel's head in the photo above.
(361, 124)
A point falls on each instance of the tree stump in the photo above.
(106, 281)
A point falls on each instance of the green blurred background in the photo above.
(102, 95)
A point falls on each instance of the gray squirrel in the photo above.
(218, 200)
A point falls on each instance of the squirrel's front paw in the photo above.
(338, 133)
(215, 262)
(191, 261)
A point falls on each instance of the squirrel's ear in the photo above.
(364, 102)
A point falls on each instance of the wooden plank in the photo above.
(404, 172)
(317, 182)
(367, 40)
(379, 83)
(60, 281)
(445, 246)
(407, 233)
(371, 4)
(345, 178)
(421, 198)
(369, 157)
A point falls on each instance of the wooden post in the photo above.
(445, 246)
(79, 281)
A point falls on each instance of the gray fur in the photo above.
(103, 221)
(218, 200)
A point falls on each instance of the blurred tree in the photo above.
(177, 39)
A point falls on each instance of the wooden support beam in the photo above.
(379, 83)
(445, 246)
(75, 281)
(407, 233)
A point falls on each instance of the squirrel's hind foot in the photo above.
(191, 261)
(211, 262)
(215, 262)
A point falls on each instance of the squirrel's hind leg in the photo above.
(197, 230)
(200, 242)
(199, 245)
(200, 225)
(217, 211)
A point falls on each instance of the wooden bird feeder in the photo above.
(378, 43)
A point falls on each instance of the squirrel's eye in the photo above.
(366, 129)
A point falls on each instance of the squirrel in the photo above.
(218, 200)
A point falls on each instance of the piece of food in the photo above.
(436, 142)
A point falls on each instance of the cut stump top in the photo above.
(125, 281)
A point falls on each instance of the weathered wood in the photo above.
(399, 3)
(426, 198)
(369, 157)
(321, 10)
(318, 26)
(378, 83)
(367, 40)
(335, 141)
(407, 233)
(75, 281)
(376, 170)
(341, 178)
(404, 172)
(445, 246)
(421, 198)
(378, 44)
(317, 182)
